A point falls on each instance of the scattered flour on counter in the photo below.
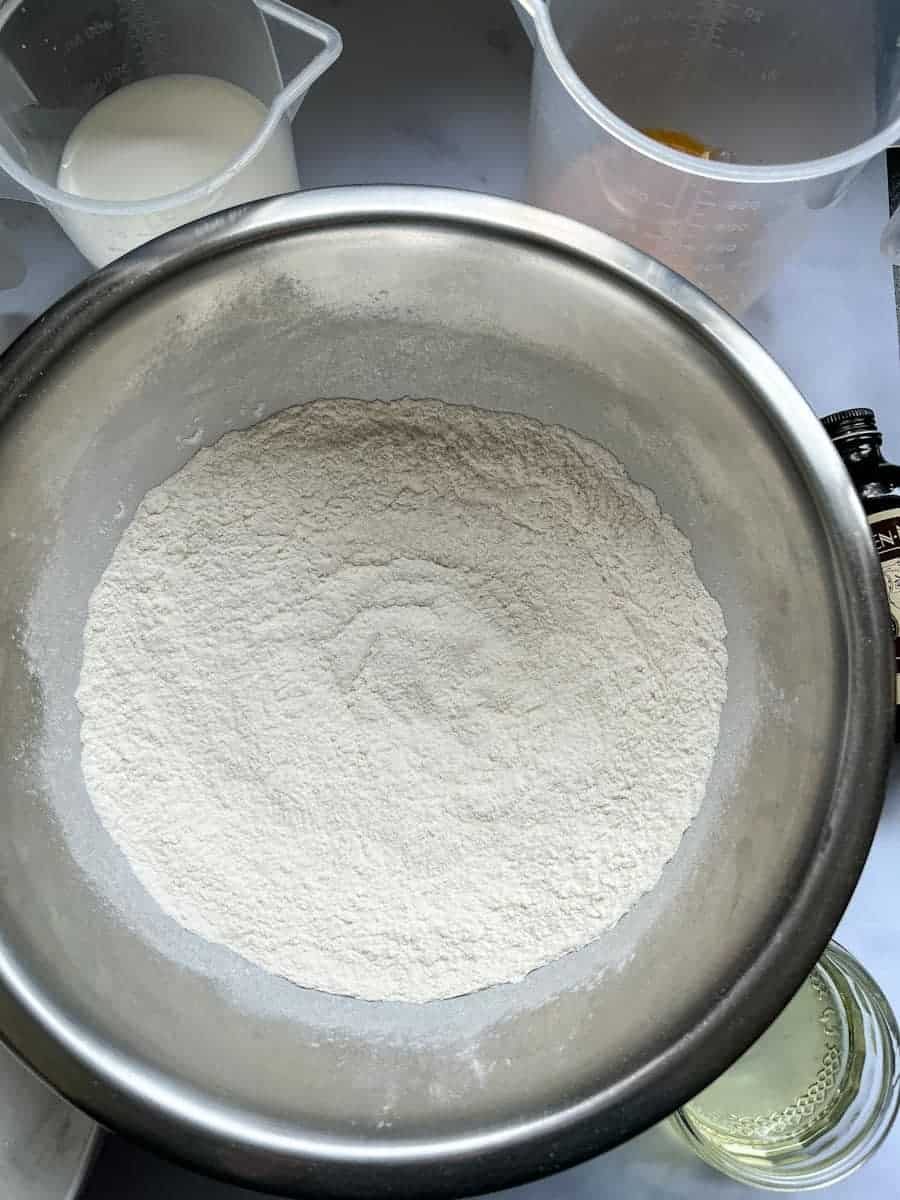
(400, 699)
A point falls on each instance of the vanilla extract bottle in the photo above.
(857, 439)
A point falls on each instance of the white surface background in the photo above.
(436, 92)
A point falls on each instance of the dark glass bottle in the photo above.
(855, 435)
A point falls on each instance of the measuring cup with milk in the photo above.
(127, 120)
(709, 132)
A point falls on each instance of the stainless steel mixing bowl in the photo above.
(405, 292)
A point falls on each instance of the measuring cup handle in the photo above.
(525, 11)
(890, 237)
(10, 190)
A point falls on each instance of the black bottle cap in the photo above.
(850, 421)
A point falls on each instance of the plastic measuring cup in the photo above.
(59, 60)
(791, 98)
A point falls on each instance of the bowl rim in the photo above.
(122, 1092)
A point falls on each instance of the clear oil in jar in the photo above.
(792, 1084)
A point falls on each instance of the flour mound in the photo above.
(400, 699)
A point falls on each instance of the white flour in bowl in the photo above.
(400, 700)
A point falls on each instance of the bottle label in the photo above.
(886, 534)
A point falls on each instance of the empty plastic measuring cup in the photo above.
(218, 85)
(789, 100)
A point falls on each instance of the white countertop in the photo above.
(455, 113)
